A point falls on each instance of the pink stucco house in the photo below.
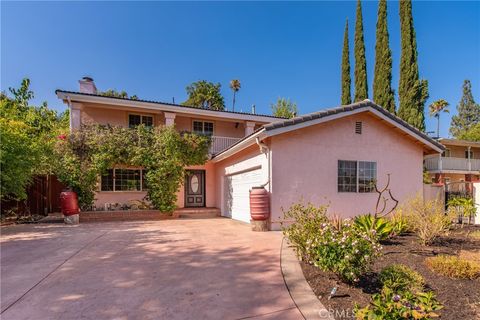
(326, 157)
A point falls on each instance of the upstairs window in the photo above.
(123, 180)
(356, 176)
(137, 119)
(203, 127)
(466, 154)
(446, 153)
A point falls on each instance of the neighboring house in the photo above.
(327, 157)
(460, 162)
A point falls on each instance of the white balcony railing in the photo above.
(221, 143)
(451, 163)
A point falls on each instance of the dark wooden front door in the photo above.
(195, 188)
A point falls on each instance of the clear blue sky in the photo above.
(276, 49)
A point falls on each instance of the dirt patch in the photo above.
(461, 298)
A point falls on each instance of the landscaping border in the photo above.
(302, 295)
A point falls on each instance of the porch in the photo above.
(442, 164)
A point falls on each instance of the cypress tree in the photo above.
(382, 81)
(412, 91)
(468, 112)
(346, 81)
(361, 86)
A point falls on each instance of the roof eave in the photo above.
(91, 98)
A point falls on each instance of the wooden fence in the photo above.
(43, 197)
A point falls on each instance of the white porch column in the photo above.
(249, 128)
(75, 116)
(476, 200)
(169, 118)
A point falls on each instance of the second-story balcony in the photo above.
(452, 164)
(221, 143)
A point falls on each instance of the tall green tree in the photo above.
(235, 86)
(383, 94)
(26, 140)
(437, 107)
(284, 108)
(117, 94)
(346, 80)
(468, 112)
(412, 91)
(204, 94)
(361, 86)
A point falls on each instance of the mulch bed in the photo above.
(461, 298)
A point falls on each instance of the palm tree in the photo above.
(435, 109)
(235, 86)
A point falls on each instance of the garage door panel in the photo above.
(237, 194)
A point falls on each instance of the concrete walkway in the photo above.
(172, 269)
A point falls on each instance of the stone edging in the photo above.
(302, 295)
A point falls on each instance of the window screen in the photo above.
(367, 175)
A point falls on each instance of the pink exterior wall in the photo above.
(221, 128)
(92, 113)
(305, 164)
(245, 160)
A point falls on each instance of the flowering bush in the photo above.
(348, 252)
(308, 220)
(83, 155)
(388, 305)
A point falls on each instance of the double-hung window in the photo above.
(123, 180)
(137, 119)
(356, 176)
(203, 127)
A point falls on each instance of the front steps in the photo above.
(198, 213)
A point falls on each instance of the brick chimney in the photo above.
(87, 85)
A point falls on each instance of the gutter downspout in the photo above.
(69, 103)
(265, 150)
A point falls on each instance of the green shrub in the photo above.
(347, 251)
(307, 221)
(379, 228)
(453, 267)
(401, 278)
(335, 246)
(400, 223)
(427, 219)
(388, 305)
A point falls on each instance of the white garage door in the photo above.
(237, 187)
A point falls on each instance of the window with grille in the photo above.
(137, 119)
(203, 127)
(123, 180)
(356, 176)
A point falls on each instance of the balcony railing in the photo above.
(451, 163)
(221, 143)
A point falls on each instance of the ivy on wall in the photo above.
(84, 155)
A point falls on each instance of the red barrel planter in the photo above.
(259, 204)
(69, 203)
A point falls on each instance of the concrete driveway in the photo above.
(173, 269)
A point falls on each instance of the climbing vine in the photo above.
(84, 155)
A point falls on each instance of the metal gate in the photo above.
(459, 190)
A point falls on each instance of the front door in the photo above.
(195, 188)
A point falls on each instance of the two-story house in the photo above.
(460, 162)
(327, 157)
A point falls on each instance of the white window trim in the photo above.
(357, 185)
(203, 125)
(142, 189)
